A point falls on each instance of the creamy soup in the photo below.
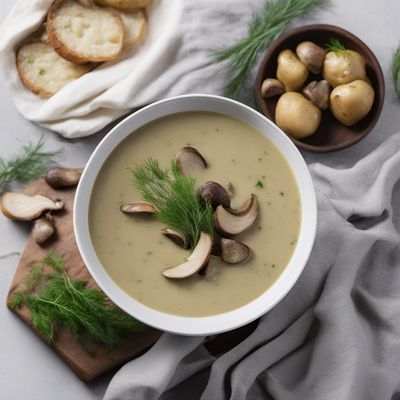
(132, 249)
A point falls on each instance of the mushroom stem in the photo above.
(195, 262)
(43, 229)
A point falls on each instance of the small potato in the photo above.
(291, 72)
(296, 115)
(352, 102)
(343, 67)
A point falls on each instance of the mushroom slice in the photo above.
(195, 262)
(63, 177)
(43, 229)
(190, 160)
(137, 208)
(176, 237)
(215, 194)
(233, 223)
(233, 251)
(23, 207)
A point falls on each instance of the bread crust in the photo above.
(143, 28)
(125, 5)
(62, 47)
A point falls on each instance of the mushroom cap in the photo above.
(215, 194)
(233, 251)
(231, 223)
(311, 55)
(195, 262)
(59, 177)
(22, 207)
(189, 160)
(137, 208)
(179, 239)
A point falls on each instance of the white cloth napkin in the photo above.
(335, 336)
(89, 103)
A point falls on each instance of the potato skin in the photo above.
(296, 115)
(291, 72)
(339, 69)
(351, 102)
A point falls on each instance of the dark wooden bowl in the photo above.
(331, 135)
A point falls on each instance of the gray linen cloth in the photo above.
(336, 335)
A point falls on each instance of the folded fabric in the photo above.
(87, 104)
(335, 335)
(175, 58)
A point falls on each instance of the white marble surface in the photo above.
(28, 368)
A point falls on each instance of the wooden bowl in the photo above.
(331, 135)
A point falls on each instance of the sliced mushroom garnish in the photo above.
(23, 207)
(230, 189)
(233, 223)
(137, 208)
(190, 160)
(215, 194)
(195, 262)
(43, 229)
(176, 237)
(233, 251)
(63, 177)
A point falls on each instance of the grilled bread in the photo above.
(84, 34)
(43, 71)
(135, 26)
(124, 5)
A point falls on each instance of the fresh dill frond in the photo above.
(336, 46)
(178, 204)
(55, 300)
(29, 165)
(396, 71)
(265, 27)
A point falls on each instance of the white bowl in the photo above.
(220, 322)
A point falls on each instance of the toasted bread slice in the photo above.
(44, 71)
(84, 34)
(124, 5)
(135, 26)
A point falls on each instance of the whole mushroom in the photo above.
(311, 55)
(318, 93)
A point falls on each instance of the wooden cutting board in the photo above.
(87, 366)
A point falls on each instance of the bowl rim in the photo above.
(334, 29)
(196, 326)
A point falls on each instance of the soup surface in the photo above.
(132, 249)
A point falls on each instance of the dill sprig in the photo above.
(336, 46)
(396, 71)
(29, 165)
(178, 204)
(265, 27)
(55, 300)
